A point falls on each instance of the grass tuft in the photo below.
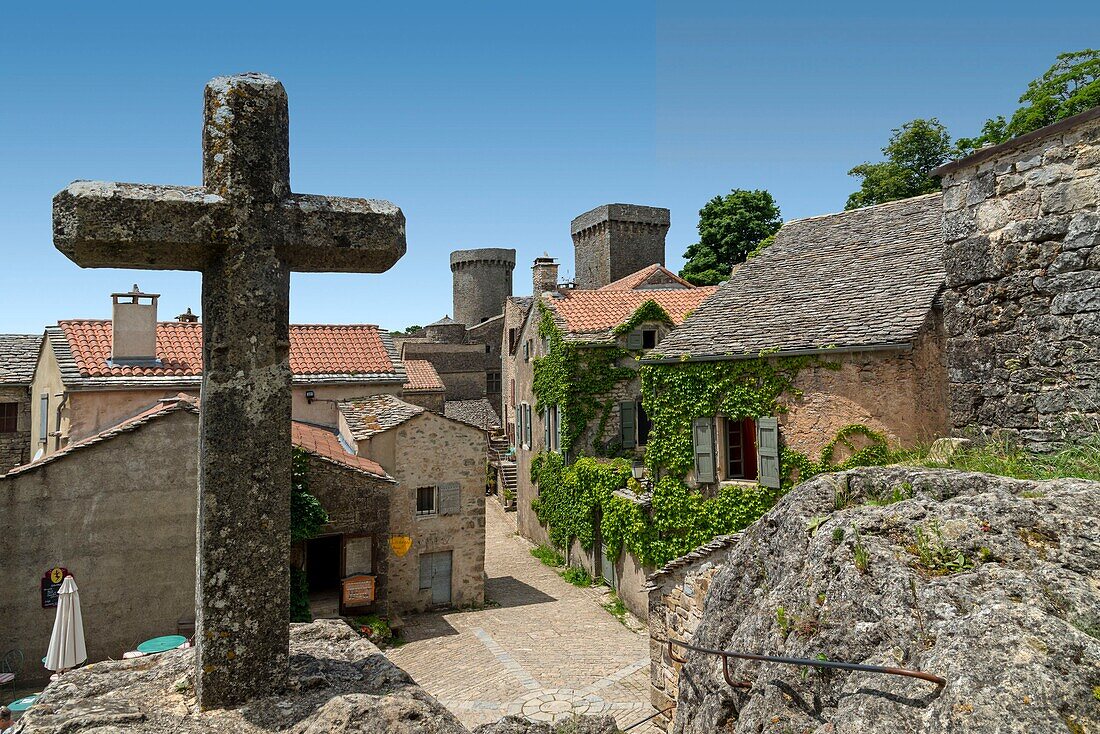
(577, 576)
(1004, 458)
(548, 555)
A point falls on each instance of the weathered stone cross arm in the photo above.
(125, 225)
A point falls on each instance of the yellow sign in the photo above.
(401, 544)
(57, 575)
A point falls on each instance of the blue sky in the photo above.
(489, 123)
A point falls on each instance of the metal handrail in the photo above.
(727, 654)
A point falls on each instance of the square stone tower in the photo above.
(615, 240)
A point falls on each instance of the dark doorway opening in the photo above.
(323, 563)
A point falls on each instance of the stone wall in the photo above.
(1022, 229)
(899, 393)
(481, 280)
(615, 240)
(120, 516)
(675, 596)
(15, 448)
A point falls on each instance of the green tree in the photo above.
(915, 149)
(1070, 86)
(730, 228)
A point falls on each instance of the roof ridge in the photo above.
(869, 207)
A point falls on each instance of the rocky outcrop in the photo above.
(991, 583)
(580, 725)
(339, 683)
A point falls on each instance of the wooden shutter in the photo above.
(546, 445)
(557, 428)
(627, 424)
(527, 424)
(703, 439)
(767, 451)
(426, 570)
(517, 428)
(450, 498)
(634, 339)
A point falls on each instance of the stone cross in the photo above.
(245, 232)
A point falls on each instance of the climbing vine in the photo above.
(307, 517)
(650, 311)
(579, 380)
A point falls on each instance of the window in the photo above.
(511, 338)
(492, 382)
(645, 425)
(740, 449)
(44, 418)
(425, 501)
(9, 417)
(649, 338)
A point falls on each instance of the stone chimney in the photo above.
(187, 318)
(134, 327)
(544, 275)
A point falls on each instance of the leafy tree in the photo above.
(1070, 86)
(915, 149)
(730, 227)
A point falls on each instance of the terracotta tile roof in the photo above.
(18, 357)
(422, 376)
(315, 350)
(159, 409)
(325, 444)
(640, 278)
(377, 413)
(865, 278)
(594, 313)
(317, 441)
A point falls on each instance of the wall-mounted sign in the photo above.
(51, 584)
(401, 544)
(358, 590)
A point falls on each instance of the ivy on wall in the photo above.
(648, 312)
(307, 517)
(579, 380)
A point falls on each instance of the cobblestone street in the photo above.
(541, 648)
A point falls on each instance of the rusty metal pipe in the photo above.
(726, 654)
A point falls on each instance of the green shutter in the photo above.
(527, 424)
(557, 428)
(703, 439)
(634, 339)
(450, 498)
(627, 424)
(767, 451)
(546, 445)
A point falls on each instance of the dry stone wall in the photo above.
(15, 447)
(1022, 228)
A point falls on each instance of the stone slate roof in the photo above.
(318, 353)
(719, 543)
(591, 315)
(372, 415)
(478, 413)
(159, 409)
(641, 278)
(325, 445)
(864, 278)
(18, 357)
(422, 376)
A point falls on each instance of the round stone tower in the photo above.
(481, 279)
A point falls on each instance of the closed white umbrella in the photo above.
(67, 641)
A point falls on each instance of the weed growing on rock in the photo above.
(860, 554)
(616, 608)
(935, 555)
(838, 535)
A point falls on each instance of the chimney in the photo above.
(187, 318)
(544, 275)
(134, 327)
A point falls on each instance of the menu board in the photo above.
(357, 554)
(358, 590)
(51, 584)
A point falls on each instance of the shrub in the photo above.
(548, 555)
(577, 576)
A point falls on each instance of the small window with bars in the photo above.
(426, 501)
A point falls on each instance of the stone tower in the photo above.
(481, 279)
(615, 240)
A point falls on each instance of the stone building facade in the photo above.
(18, 354)
(439, 503)
(1021, 223)
(675, 595)
(614, 240)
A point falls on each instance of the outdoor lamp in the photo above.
(638, 470)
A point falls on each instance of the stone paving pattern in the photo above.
(541, 648)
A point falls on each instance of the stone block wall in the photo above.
(676, 595)
(15, 448)
(1022, 308)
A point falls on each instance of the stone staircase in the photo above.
(500, 458)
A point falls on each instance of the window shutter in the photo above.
(527, 424)
(703, 435)
(627, 424)
(767, 451)
(557, 428)
(426, 571)
(450, 498)
(517, 436)
(634, 339)
(546, 446)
